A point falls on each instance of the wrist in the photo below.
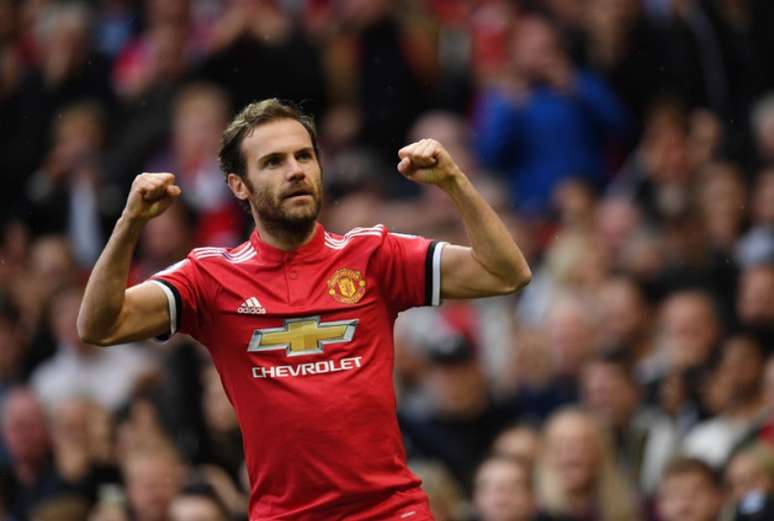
(454, 182)
(130, 224)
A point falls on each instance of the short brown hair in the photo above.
(683, 465)
(253, 115)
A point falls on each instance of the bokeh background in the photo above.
(627, 144)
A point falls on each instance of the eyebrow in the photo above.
(271, 155)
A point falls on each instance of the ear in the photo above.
(238, 186)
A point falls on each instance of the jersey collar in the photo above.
(270, 253)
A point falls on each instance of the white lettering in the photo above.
(326, 366)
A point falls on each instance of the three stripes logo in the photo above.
(251, 306)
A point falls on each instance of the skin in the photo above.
(503, 491)
(688, 497)
(283, 187)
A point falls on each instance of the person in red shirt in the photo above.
(299, 321)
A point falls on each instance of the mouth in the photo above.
(297, 194)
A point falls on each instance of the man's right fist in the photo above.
(150, 195)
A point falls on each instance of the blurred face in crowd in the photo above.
(153, 479)
(198, 120)
(755, 303)
(572, 452)
(723, 201)
(457, 388)
(763, 198)
(570, 334)
(688, 496)
(742, 361)
(51, 262)
(520, 442)
(64, 315)
(745, 473)
(768, 383)
(609, 393)
(11, 349)
(218, 413)
(167, 237)
(503, 491)
(25, 431)
(623, 312)
(536, 49)
(194, 508)
(284, 179)
(689, 328)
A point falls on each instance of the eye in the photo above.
(272, 162)
(304, 155)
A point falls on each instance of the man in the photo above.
(690, 490)
(298, 320)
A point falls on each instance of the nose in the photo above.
(295, 170)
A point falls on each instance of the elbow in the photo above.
(519, 282)
(89, 335)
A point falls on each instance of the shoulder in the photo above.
(209, 255)
(360, 237)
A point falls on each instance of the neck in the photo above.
(282, 236)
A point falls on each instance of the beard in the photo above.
(282, 219)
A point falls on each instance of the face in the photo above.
(152, 481)
(755, 302)
(503, 492)
(572, 452)
(746, 475)
(688, 497)
(690, 329)
(283, 183)
(25, 431)
(608, 393)
(194, 508)
(518, 442)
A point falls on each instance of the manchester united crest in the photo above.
(346, 286)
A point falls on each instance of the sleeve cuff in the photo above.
(433, 273)
(175, 307)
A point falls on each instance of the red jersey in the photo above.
(303, 342)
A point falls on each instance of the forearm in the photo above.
(104, 295)
(492, 245)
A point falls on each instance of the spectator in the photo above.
(550, 106)
(690, 490)
(757, 245)
(197, 503)
(577, 475)
(737, 383)
(750, 476)
(520, 441)
(77, 369)
(504, 490)
(30, 477)
(200, 112)
(755, 302)
(153, 477)
(644, 439)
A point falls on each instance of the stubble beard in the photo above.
(292, 226)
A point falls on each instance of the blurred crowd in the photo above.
(628, 145)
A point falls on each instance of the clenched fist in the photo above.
(151, 194)
(426, 161)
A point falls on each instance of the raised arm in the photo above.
(494, 265)
(110, 313)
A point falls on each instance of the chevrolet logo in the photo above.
(302, 336)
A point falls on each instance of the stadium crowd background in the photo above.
(628, 144)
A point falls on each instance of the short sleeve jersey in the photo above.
(303, 342)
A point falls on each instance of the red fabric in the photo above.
(320, 431)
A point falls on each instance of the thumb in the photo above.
(174, 191)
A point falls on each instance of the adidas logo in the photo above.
(251, 306)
